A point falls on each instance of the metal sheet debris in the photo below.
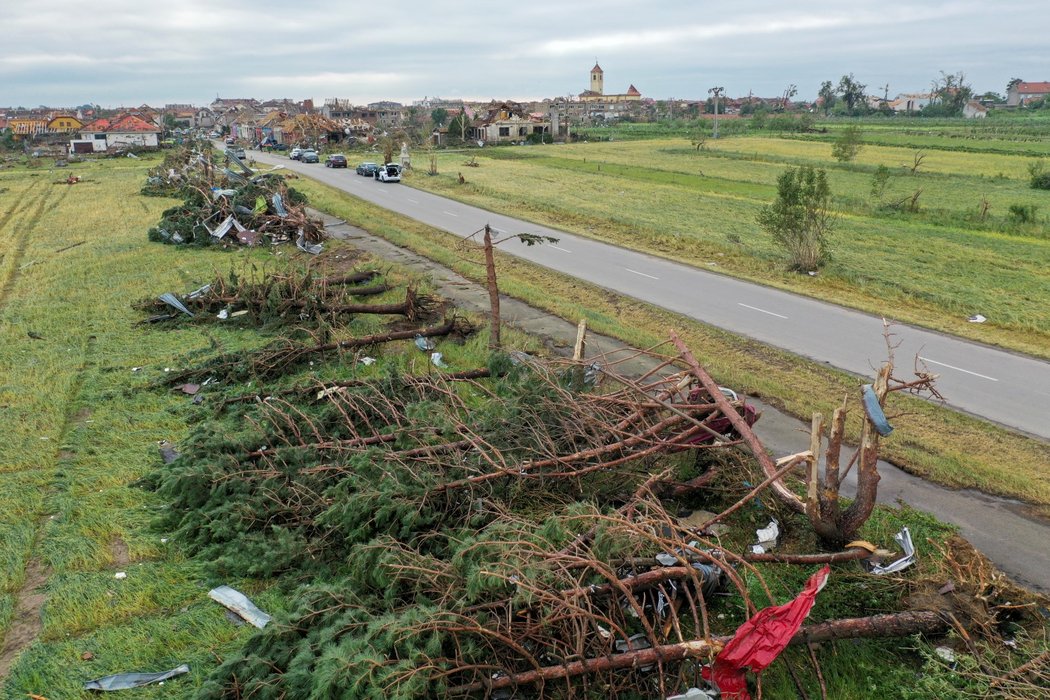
(311, 248)
(904, 540)
(239, 603)
(173, 301)
(126, 681)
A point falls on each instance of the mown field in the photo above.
(960, 253)
(79, 382)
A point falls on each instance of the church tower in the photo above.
(597, 79)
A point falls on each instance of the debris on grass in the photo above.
(239, 603)
(127, 681)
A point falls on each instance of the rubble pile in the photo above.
(228, 204)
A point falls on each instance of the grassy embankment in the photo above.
(938, 444)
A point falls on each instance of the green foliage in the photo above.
(879, 180)
(800, 218)
(852, 92)
(1022, 213)
(1038, 175)
(848, 144)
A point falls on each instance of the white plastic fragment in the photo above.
(977, 318)
(435, 358)
(120, 575)
(367, 361)
(767, 538)
(239, 603)
(223, 315)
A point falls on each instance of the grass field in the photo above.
(933, 267)
(82, 429)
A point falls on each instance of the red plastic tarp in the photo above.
(760, 640)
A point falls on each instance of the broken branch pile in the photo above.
(300, 297)
(472, 536)
(227, 205)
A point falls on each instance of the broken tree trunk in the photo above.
(490, 282)
(867, 468)
(740, 425)
(889, 625)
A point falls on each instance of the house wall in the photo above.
(132, 139)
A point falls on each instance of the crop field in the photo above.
(95, 580)
(956, 252)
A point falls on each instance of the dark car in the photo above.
(367, 169)
(309, 156)
(335, 161)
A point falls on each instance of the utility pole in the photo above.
(715, 91)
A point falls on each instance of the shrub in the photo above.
(848, 144)
(800, 218)
(1022, 213)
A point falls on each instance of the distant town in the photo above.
(275, 123)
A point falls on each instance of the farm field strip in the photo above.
(76, 437)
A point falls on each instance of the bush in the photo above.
(1022, 213)
(800, 218)
(848, 144)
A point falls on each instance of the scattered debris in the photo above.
(120, 575)
(874, 411)
(173, 301)
(126, 681)
(977, 318)
(167, 453)
(766, 538)
(904, 540)
(239, 603)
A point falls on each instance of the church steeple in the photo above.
(597, 79)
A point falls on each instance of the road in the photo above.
(1006, 388)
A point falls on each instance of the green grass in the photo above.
(82, 427)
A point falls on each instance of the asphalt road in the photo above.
(1007, 388)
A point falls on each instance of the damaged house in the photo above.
(506, 122)
(123, 131)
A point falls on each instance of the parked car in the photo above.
(230, 140)
(295, 153)
(368, 169)
(391, 172)
(309, 156)
(236, 151)
(335, 160)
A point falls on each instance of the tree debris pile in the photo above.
(231, 206)
(304, 298)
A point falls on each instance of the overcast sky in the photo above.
(124, 52)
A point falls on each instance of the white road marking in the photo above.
(411, 200)
(957, 369)
(755, 308)
(641, 273)
(561, 249)
(450, 213)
